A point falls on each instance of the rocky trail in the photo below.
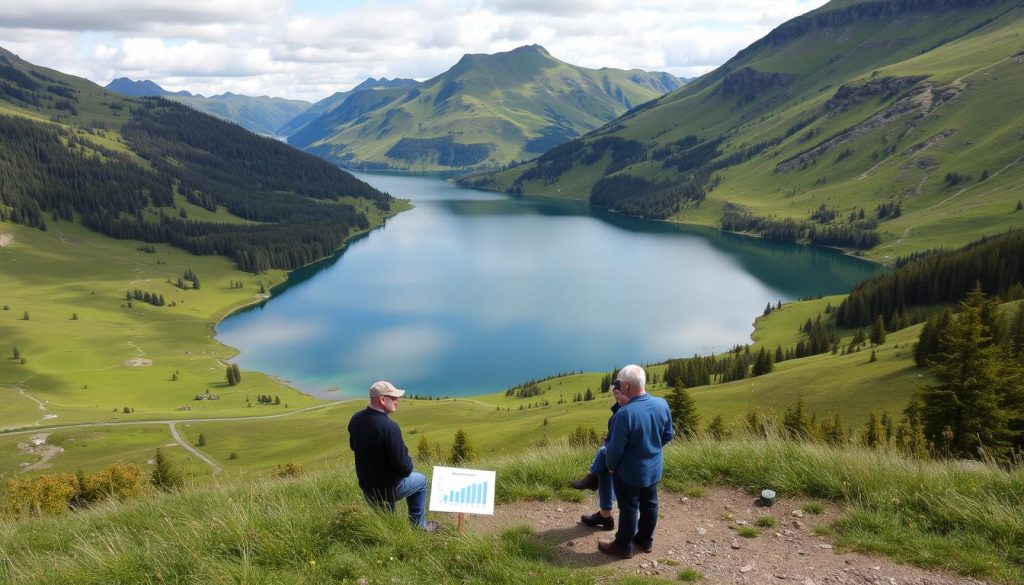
(702, 533)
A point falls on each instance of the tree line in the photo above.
(937, 278)
(52, 173)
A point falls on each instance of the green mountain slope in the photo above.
(904, 110)
(336, 99)
(259, 114)
(125, 167)
(488, 110)
(356, 105)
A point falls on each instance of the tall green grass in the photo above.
(965, 518)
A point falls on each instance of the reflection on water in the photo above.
(472, 292)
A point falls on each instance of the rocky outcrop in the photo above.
(748, 84)
(850, 94)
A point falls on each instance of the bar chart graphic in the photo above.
(454, 489)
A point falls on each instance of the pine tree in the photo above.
(25, 316)
(874, 433)
(423, 451)
(717, 428)
(15, 353)
(873, 358)
(878, 331)
(589, 395)
(685, 419)
(763, 363)
(74, 316)
(165, 476)
(238, 373)
(797, 420)
(462, 448)
(201, 442)
(972, 405)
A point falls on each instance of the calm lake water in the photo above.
(473, 292)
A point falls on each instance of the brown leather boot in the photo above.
(587, 483)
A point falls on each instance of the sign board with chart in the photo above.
(470, 491)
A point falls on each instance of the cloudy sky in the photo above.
(308, 49)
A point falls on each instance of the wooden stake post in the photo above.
(462, 522)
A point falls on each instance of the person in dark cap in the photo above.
(383, 465)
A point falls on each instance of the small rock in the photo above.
(801, 552)
(543, 521)
(824, 546)
(742, 522)
(798, 513)
(654, 564)
(701, 531)
(559, 509)
(571, 543)
(746, 568)
(735, 545)
(807, 582)
(797, 524)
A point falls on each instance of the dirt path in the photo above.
(701, 533)
(38, 446)
(213, 464)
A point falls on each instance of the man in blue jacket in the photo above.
(638, 432)
(383, 465)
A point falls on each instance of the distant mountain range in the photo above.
(487, 110)
(259, 114)
(891, 126)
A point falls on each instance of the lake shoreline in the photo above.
(314, 378)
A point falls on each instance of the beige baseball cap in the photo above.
(385, 388)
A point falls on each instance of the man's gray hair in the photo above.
(634, 375)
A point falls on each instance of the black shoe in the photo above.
(587, 483)
(646, 547)
(609, 548)
(596, 520)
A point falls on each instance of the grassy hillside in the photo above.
(852, 107)
(485, 111)
(317, 529)
(76, 349)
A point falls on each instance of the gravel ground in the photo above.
(703, 534)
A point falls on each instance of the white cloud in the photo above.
(267, 47)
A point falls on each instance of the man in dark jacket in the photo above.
(383, 465)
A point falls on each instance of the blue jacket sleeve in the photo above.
(669, 432)
(617, 438)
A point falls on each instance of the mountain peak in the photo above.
(141, 88)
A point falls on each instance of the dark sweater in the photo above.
(382, 460)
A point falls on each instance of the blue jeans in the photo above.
(413, 489)
(633, 502)
(605, 491)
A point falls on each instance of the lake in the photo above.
(473, 292)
